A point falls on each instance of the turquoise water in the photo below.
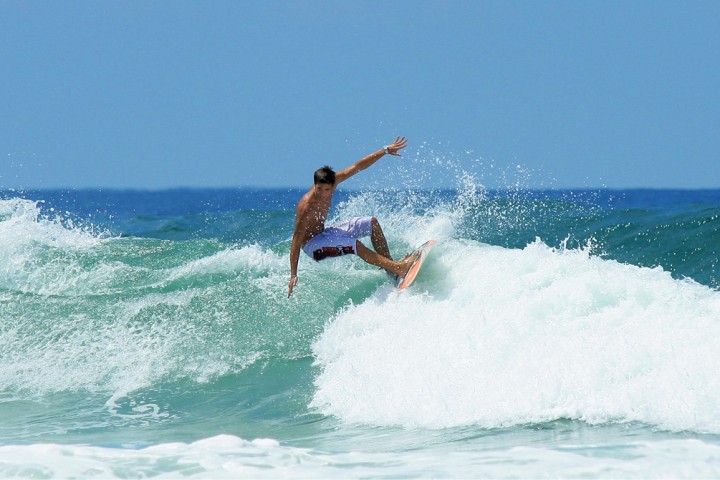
(550, 334)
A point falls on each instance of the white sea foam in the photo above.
(38, 252)
(226, 456)
(252, 257)
(22, 221)
(491, 336)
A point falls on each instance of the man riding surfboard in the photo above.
(320, 242)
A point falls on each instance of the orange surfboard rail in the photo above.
(409, 277)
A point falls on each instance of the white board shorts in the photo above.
(339, 239)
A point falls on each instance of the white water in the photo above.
(226, 456)
(492, 337)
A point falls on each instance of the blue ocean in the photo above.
(550, 334)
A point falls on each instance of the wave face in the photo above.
(121, 324)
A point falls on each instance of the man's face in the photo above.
(324, 191)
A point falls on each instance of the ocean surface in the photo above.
(550, 334)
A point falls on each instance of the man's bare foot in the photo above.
(407, 261)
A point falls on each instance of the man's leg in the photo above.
(378, 240)
(374, 258)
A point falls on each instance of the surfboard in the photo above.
(409, 278)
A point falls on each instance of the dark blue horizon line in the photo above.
(354, 190)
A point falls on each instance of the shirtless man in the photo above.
(319, 242)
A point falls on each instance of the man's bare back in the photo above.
(310, 215)
(313, 208)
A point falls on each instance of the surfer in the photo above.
(320, 242)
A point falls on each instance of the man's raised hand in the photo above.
(398, 144)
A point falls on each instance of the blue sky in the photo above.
(157, 94)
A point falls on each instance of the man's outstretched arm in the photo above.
(363, 163)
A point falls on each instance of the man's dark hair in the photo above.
(325, 175)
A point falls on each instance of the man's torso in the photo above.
(311, 215)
